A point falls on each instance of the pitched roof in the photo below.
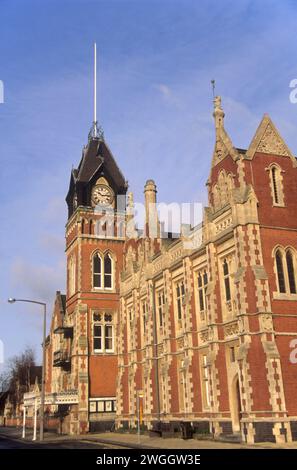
(96, 155)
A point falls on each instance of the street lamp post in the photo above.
(11, 301)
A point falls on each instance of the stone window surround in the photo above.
(284, 295)
(178, 322)
(279, 181)
(102, 255)
(103, 323)
(201, 268)
(144, 312)
(224, 185)
(158, 291)
(204, 382)
(227, 307)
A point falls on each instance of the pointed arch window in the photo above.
(227, 280)
(276, 184)
(280, 272)
(102, 271)
(107, 271)
(180, 299)
(202, 286)
(291, 272)
(97, 271)
(91, 227)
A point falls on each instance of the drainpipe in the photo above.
(155, 351)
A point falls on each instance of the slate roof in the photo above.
(95, 155)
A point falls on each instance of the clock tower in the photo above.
(96, 202)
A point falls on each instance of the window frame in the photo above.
(227, 283)
(289, 276)
(161, 301)
(102, 275)
(201, 289)
(179, 301)
(205, 381)
(103, 324)
(276, 184)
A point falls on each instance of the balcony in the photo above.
(62, 359)
(67, 331)
(68, 397)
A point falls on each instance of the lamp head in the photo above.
(11, 300)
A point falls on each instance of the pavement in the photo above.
(11, 438)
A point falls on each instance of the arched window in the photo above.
(83, 226)
(202, 286)
(276, 185)
(227, 280)
(291, 273)
(102, 271)
(107, 271)
(280, 272)
(201, 297)
(97, 271)
(90, 227)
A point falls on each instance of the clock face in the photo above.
(102, 195)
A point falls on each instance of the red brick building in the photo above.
(194, 329)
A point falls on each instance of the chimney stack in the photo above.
(151, 214)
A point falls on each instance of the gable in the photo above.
(268, 140)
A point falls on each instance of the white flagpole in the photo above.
(95, 83)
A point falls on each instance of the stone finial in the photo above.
(218, 113)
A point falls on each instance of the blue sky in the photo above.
(156, 60)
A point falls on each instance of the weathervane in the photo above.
(96, 131)
(213, 84)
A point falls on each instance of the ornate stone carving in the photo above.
(231, 329)
(266, 322)
(204, 336)
(272, 143)
(224, 224)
